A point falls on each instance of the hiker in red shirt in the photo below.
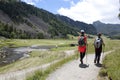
(82, 43)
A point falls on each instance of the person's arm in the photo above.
(94, 42)
(103, 42)
(86, 41)
(78, 38)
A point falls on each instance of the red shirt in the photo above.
(82, 49)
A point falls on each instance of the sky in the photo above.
(86, 11)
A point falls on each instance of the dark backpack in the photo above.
(81, 41)
(98, 42)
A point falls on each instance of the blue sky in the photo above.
(86, 11)
(52, 5)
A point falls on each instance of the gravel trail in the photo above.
(75, 71)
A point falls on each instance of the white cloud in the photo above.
(72, 3)
(32, 2)
(92, 10)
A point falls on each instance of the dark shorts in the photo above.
(98, 50)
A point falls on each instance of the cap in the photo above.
(99, 34)
(82, 31)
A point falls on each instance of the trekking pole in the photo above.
(103, 52)
(77, 54)
(86, 55)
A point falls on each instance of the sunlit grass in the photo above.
(111, 63)
(29, 42)
(36, 58)
(112, 44)
(43, 74)
(109, 44)
(112, 66)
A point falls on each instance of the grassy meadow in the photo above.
(111, 63)
(111, 66)
(38, 58)
(109, 45)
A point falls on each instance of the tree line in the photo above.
(12, 32)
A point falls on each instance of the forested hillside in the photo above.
(21, 20)
(89, 28)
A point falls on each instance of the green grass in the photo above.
(61, 43)
(43, 74)
(111, 69)
(111, 63)
(64, 48)
(111, 66)
(29, 42)
(90, 46)
(111, 44)
(36, 58)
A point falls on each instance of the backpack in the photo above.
(98, 42)
(81, 41)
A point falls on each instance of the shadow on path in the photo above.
(98, 65)
(83, 65)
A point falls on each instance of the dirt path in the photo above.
(21, 74)
(75, 71)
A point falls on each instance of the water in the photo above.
(28, 49)
(22, 53)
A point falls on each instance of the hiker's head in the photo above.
(82, 32)
(99, 34)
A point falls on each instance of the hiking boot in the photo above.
(94, 61)
(98, 62)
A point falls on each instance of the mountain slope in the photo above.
(108, 29)
(21, 20)
(89, 28)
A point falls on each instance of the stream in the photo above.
(21, 53)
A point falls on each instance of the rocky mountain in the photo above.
(21, 20)
(107, 29)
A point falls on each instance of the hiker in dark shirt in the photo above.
(98, 42)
